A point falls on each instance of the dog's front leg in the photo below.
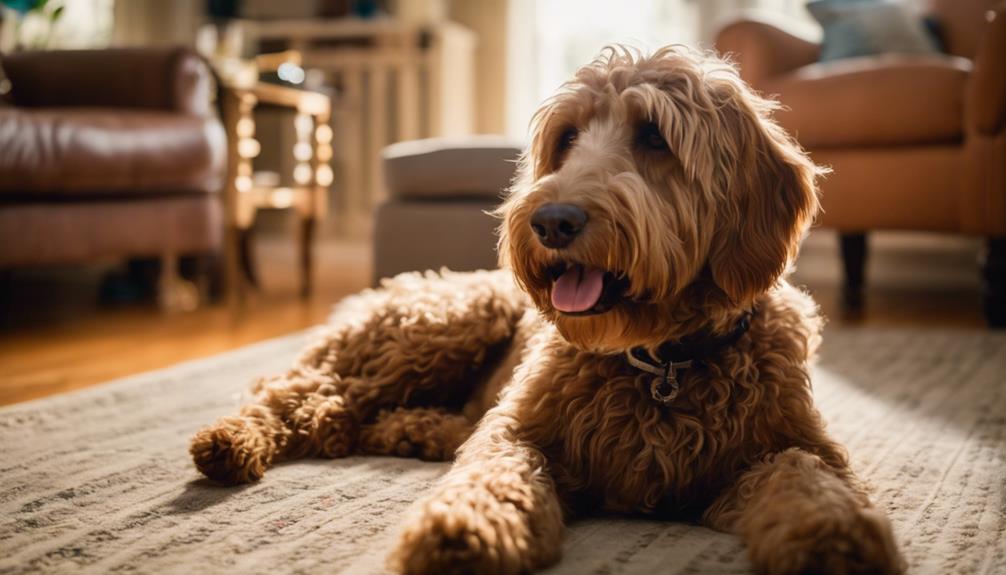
(496, 510)
(798, 515)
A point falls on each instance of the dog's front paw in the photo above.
(468, 530)
(843, 543)
(232, 451)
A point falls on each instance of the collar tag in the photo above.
(665, 386)
(665, 389)
(661, 362)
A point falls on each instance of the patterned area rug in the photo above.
(100, 481)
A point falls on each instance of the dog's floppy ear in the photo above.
(771, 196)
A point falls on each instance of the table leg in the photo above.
(233, 280)
(307, 231)
(246, 243)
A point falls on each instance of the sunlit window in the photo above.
(550, 39)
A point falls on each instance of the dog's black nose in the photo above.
(557, 225)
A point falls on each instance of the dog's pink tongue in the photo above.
(578, 289)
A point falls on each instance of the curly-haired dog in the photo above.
(652, 362)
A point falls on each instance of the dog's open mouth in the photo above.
(579, 289)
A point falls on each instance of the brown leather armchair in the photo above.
(109, 154)
(915, 142)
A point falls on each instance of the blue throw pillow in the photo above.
(866, 27)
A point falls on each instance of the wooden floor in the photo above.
(55, 338)
(60, 340)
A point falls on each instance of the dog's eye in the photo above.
(566, 139)
(650, 137)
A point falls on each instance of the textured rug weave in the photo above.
(100, 481)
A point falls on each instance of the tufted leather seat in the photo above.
(875, 101)
(108, 153)
(81, 151)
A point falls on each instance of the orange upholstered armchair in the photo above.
(916, 142)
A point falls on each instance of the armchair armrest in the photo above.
(763, 50)
(173, 79)
(986, 91)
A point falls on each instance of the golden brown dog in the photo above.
(653, 360)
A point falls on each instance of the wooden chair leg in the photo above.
(246, 244)
(204, 270)
(6, 296)
(854, 250)
(234, 281)
(994, 276)
(307, 232)
(214, 269)
(174, 293)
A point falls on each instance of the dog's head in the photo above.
(657, 195)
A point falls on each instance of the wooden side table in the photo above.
(243, 196)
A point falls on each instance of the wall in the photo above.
(156, 22)
(487, 18)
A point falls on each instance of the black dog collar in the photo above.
(673, 356)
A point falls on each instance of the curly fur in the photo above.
(542, 414)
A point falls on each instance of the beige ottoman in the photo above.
(438, 192)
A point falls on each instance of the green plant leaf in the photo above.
(22, 7)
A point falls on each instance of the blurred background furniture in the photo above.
(394, 80)
(247, 191)
(915, 142)
(439, 191)
(110, 154)
(446, 68)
